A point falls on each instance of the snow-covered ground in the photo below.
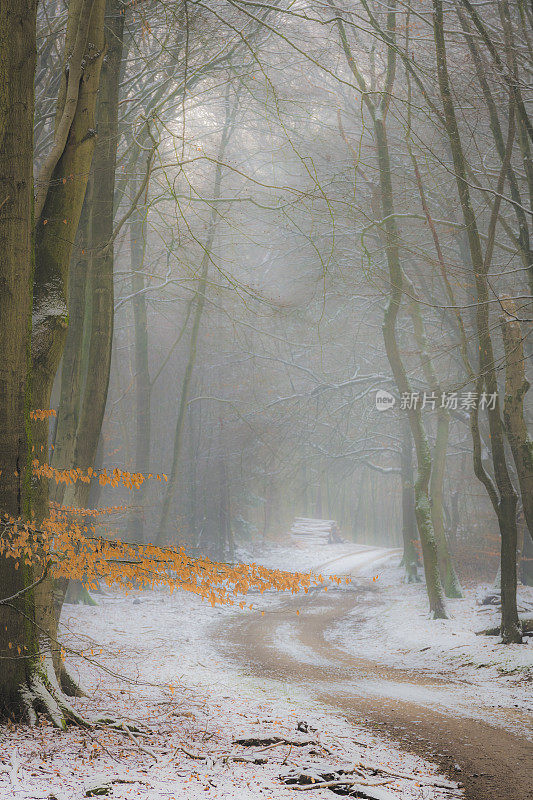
(492, 675)
(307, 559)
(147, 659)
(475, 675)
(408, 628)
(400, 617)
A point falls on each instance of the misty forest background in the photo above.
(248, 218)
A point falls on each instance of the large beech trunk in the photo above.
(88, 349)
(57, 225)
(101, 201)
(27, 685)
(18, 641)
(60, 196)
(73, 361)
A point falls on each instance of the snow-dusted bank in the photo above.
(486, 678)
(482, 677)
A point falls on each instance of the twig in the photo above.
(252, 741)
(222, 757)
(242, 759)
(269, 746)
(358, 784)
(440, 784)
(198, 756)
(6, 600)
(147, 750)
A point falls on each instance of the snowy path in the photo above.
(435, 715)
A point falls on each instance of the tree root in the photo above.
(346, 782)
(120, 725)
(349, 787)
(42, 694)
(69, 686)
(526, 623)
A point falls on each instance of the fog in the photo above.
(266, 455)
(286, 182)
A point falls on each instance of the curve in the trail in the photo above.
(426, 714)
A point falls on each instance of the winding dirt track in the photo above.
(494, 763)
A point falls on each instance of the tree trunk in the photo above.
(184, 396)
(527, 559)
(200, 302)
(61, 198)
(516, 387)
(224, 541)
(27, 683)
(192, 493)
(72, 363)
(142, 374)
(56, 228)
(270, 494)
(422, 504)
(409, 531)
(18, 639)
(505, 500)
(452, 587)
(378, 109)
(101, 247)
